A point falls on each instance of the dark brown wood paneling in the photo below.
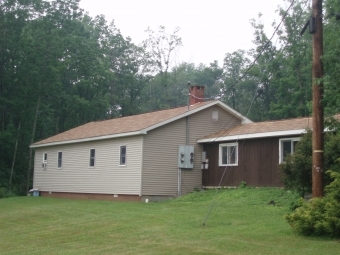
(257, 164)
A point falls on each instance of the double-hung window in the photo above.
(92, 157)
(228, 154)
(122, 157)
(44, 160)
(286, 147)
(60, 159)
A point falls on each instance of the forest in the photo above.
(61, 68)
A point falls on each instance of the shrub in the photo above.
(5, 193)
(296, 171)
(319, 216)
(243, 184)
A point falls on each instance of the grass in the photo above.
(241, 222)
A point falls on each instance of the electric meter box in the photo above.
(186, 157)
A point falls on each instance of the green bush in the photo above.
(243, 185)
(5, 193)
(296, 171)
(319, 216)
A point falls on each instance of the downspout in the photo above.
(187, 117)
(186, 142)
(179, 182)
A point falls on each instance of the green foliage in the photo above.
(331, 57)
(319, 216)
(59, 69)
(242, 185)
(296, 171)
(4, 193)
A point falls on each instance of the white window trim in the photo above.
(43, 157)
(58, 160)
(95, 155)
(120, 155)
(220, 147)
(292, 139)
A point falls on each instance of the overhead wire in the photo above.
(254, 98)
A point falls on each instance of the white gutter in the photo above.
(249, 136)
(88, 139)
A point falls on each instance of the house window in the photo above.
(122, 156)
(60, 159)
(286, 147)
(228, 154)
(92, 157)
(45, 157)
(44, 160)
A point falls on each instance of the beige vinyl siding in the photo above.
(160, 169)
(201, 124)
(106, 177)
(160, 154)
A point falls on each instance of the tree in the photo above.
(237, 92)
(160, 49)
(331, 57)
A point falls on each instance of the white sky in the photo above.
(209, 29)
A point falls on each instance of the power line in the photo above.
(264, 47)
(254, 98)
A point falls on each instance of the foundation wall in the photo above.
(109, 197)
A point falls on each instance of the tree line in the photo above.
(60, 68)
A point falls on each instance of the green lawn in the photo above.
(241, 222)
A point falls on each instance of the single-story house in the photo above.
(147, 156)
(251, 152)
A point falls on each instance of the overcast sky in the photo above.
(209, 29)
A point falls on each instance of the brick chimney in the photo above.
(196, 94)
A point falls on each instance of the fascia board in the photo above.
(88, 139)
(249, 136)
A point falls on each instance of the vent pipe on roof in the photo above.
(188, 95)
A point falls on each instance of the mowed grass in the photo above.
(241, 222)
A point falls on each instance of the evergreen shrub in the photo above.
(319, 216)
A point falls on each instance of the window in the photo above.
(228, 154)
(44, 161)
(44, 158)
(92, 157)
(60, 159)
(122, 156)
(286, 147)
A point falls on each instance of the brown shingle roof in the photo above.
(263, 128)
(120, 125)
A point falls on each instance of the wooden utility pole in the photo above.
(318, 139)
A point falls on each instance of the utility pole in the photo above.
(318, 128)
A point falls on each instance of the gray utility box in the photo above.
(186, 157)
